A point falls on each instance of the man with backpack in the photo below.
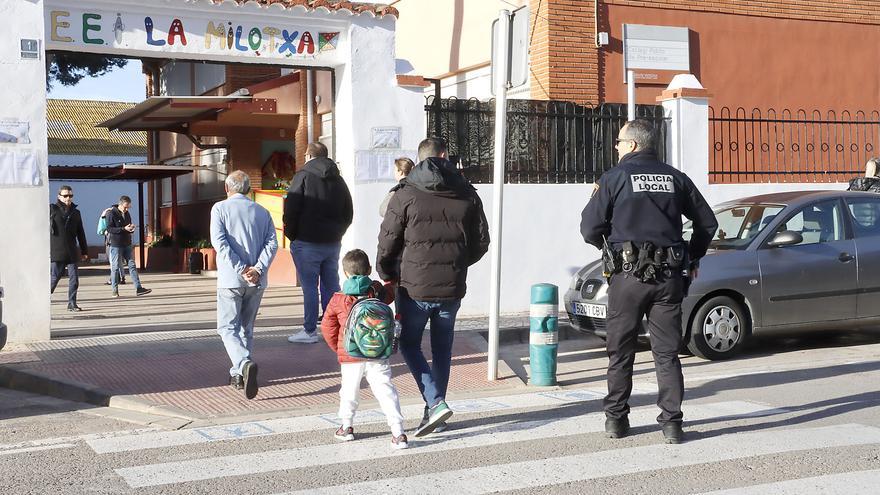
(66, 229)
(120, 227)
(359, 326)
(102, 230)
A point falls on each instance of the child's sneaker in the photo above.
(345, 434)
(399, 442)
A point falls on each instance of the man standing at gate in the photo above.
(433, 230)
(243, 235)
(317, 212)
(635, 218)
(66, 229)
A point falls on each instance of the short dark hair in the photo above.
(316, 150)
(641, 131)
(65, 187)
(124, 199)
(356, 262)
(403, 165)
(431, 147)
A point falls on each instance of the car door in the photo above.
(814, 280)
(865, 216)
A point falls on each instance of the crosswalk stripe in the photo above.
(479, 436)
(583, 467)
(852, 483)
(150, 440)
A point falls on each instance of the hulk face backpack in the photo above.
(370, 330)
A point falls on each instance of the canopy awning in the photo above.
(134, 172)
(179, 113)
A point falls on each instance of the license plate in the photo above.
(591, 310)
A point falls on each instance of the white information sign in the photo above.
(216, 33)
(662, 48)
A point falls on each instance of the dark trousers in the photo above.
(72, 286)
(629, 300)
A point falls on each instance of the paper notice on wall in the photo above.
(15, 132)
(377, 166)
(19, 168)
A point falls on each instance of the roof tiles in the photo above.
(377, 9)
(72, 131)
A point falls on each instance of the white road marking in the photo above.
(163, 439)
(479, 436)
(37, 449)
(852, 483)
(549, 472)
(64, 442)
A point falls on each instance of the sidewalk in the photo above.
(159, 353)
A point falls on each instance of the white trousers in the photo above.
(379, 377)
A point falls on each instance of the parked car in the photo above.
(785, 261)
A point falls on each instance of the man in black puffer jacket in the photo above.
(436, 221)
(66, 229)
(317, 212)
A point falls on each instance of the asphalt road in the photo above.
(792, 415)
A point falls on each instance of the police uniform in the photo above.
(638, 207)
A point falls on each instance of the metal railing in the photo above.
(800, 146)
(548, 142)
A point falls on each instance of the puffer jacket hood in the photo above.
(356, 285)
(437, 175)
(322, 167)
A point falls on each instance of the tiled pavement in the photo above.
(161, 349)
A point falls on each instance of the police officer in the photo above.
(637, 210)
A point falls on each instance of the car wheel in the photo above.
(719, 329)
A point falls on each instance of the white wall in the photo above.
(92, 197)
(24, 214)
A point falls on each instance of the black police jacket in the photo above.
(642, 200)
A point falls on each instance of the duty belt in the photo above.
(646, 262)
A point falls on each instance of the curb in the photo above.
(38, 383)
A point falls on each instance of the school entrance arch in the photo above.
(354, 40)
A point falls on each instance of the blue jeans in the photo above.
(316, 264)
(58, 268)
(125, 252)
(414, 315)
(236, 314)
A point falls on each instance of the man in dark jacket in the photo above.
(436, 222)
(637, 209)
(317, 212)
(120, 228)
(66, 229)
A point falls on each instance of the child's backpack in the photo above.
(370, 331)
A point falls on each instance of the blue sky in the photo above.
(125, 84)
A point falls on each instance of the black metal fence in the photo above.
(548, 142)
(786, 146)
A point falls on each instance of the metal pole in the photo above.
(501, 68)
(630, 95)
(310, 107)
(141, 208)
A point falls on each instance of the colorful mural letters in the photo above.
(158, 34)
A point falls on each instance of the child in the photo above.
(356, 266)
(402, 167)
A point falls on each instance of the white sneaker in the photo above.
(303, 337)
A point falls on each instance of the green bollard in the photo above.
(543, 334)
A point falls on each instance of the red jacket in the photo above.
(337, 312)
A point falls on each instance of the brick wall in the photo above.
(849, 11)
(565, 63)
(241, 76)
(563, 56)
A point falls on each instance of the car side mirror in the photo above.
(786, 238)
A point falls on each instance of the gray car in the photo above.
(785, 261)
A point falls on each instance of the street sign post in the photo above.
(652, 55)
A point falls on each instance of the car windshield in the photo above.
(738, 225)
